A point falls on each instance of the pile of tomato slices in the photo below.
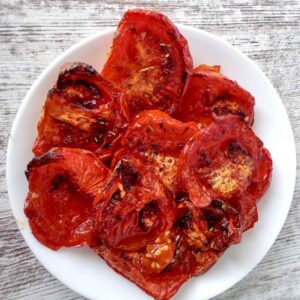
(152, 163)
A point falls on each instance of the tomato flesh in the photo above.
(82, 111)
(223, 160)
(158, 139)
(134, 208)
(210, 96)
(155, 61)
(62, 185)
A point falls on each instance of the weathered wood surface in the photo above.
(33, 33)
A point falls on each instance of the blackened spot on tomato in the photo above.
(128, 173)
(213, 216)
(106, 145)
(184, 77)
(221, 110)
(100, 126)
(44, 159)
(171, 33)
(169, 64)
(241, 114)
(224, 224)
(234, 148)
(56, 182)
(89, 103)
(118, 218)
(52, 91)
(217, 203)
(161, 125)
(148, 211)
(181, 196)
(184, 221)
(115, 198)
(154, 149)
(91, 70)
(168, 268)
(133, 29)
(203, 160)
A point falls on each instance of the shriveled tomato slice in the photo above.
(149, 60)
(158, 139)
(82, 111)
(210, 96)
(161, 286)
(62, 185)
(209, 231)
(223, 160)
(133, 207)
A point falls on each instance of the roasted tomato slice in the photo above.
(158, 139)
(82, 111)
(161, 286)
(133, 206)
(209, 231)
(62, 185)
(210, 96)
(223, 160)
(149, 60)
(194, 232)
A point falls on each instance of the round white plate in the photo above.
(81, 269)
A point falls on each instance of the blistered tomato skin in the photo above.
(82, 111)
(158, 139)
(156, 129)
(210, 96)
(62, 185)
(160, 286)
(134, 208)
(223, 160)
(155, 61)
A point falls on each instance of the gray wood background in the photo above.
(33, 33)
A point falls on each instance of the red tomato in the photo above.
(149, 60)
(210, 96)
(160, 286)
(62, 185)
(223, 160)
(133, 206)
(158, 139)
(83, 111)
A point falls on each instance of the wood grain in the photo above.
(33, 33)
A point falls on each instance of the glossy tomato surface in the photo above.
(223, 160)
(158, 140)
(62, 185)
(210, 95)
(149, 61)
(82, 111)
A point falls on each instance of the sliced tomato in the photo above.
(82, 111)
(210, 96)
(160, 286)
(158, 139)
(133, 206)
(223, 160)
(62, 185)
(149, 60)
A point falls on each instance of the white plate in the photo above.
(80, 269)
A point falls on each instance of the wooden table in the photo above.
(32, 34)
